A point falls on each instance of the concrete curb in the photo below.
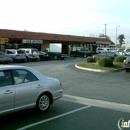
(97, 70)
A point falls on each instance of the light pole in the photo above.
(105, 30)
(116, 33)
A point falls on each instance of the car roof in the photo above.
(6, 67)
(28, 48)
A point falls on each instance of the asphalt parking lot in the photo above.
(64, 115)
(91, 101)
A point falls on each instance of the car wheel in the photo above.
(85, 56)
(26, 60)
(43, 102)
(56, 57)
(127, 69)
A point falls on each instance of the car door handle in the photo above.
(39, 86)
(8, 92)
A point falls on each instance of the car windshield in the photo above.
(21, 52)
(128, 50)
(41, 52)
(2, 53)
(34, 51)
(121, 50)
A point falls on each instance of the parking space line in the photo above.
(53, 118)
(97, 103)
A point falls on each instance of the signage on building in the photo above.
(3, 40)
(32, 41)
(100, 42)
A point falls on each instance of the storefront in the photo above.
(26, 43)
(5, 43)
(90, 46)
(25, 39)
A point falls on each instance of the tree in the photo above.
(103, 35)
(121, 39)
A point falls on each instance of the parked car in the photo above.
(121, 51)
(32, 54)
(100, 50)
(16, 55)
(126, 63)
(82, 52)
(43, 55)
(23, 87)
(127, 51)
(4, 58)
(111, 55)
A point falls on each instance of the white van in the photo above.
(99, 50)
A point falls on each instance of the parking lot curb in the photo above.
(97, 70)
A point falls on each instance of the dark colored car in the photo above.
(126, 63)
(43, 55)
(82, 52)
(111, 55)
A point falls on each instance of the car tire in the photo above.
(56, 57)
(85, 56)
(127, 69)
(43, 102)
(27, 58)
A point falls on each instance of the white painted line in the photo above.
(53, 118)
(97, 103)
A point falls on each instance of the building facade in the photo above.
(13, 39)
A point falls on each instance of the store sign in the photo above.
(32, 41)
(3, 40)
(100, 42)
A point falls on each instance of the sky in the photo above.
(68, 17)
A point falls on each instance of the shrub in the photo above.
(89, 59)
(97, 59)
(119, 59)
(105, 62)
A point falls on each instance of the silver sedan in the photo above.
(23, 87)
(4, 58)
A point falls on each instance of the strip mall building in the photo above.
(13, 39)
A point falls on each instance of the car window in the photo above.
(34, 51)
(20, 52)
(42, 53)
(128, 50)
(103, 53)
(100, 49)
(27, 51)
(5, 78)
(121, 50)
(10, 52)
(2, 53)
(23, 76)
